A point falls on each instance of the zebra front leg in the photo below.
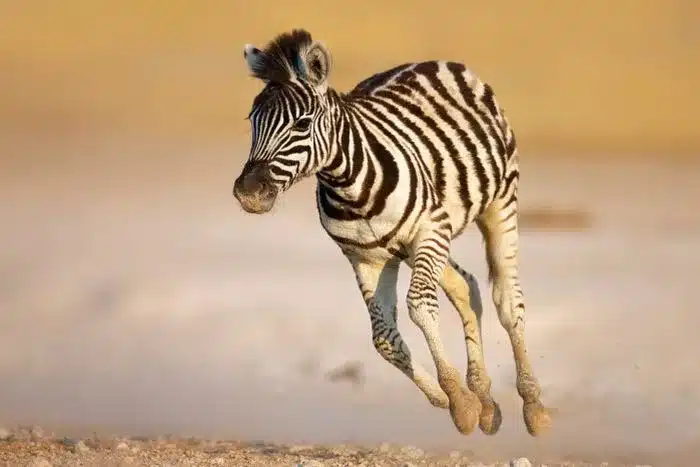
(428, 258)
(377, 282)
(499, 227)
(462, 289)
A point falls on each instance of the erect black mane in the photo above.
(282, 56)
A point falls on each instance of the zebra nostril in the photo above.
(267, 189)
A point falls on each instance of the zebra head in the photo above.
(289, 118)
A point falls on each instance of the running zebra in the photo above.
(404, 162)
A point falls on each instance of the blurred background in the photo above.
(135, 295)
(615, 77)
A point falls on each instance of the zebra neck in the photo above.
(345, 178)
(343, 171)
(361, 172)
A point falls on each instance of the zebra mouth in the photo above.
(256, 203)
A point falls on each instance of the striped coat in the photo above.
(405, 161)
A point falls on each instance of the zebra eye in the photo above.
(302, 124)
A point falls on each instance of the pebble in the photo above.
(77, 445)
(122, 446)
(36, 433)
(81, 447)
(412, 452)
(521, 462)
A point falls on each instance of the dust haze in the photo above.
(169, 310)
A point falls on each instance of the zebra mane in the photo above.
(288, 56)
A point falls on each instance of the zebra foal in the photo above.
(404, 162)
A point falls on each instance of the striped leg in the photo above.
(499, 227)
(377, 282)
(462, 289)
(428, 258)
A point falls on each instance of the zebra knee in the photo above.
(421, 302)
(393, 352)
(421, 312)
(383, 347)
(509, 304)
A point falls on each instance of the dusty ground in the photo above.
(32, 450)
(138, 300)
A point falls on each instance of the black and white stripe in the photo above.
(405, 162)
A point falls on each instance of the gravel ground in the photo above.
(32, 447)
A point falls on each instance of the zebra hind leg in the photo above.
(377, 282)
(499, 227)
(462, 289)
(428, 259)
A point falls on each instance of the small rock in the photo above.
(218, 461)
(521, 462)
(310, 463)
(36, 433)
(69, 442)
(5, 435)
(81, 447)
(77, 445)
(455, 455)
(412, 452)
(408, 464)
(122, 446)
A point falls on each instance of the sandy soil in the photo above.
(138, 300)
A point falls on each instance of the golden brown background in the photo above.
(608, 76)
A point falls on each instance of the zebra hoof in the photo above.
(465, 411)
(538, 418)
(490, 418)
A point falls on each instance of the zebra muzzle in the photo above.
(255, 191)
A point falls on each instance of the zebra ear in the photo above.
(317, 64)
(256, 60)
